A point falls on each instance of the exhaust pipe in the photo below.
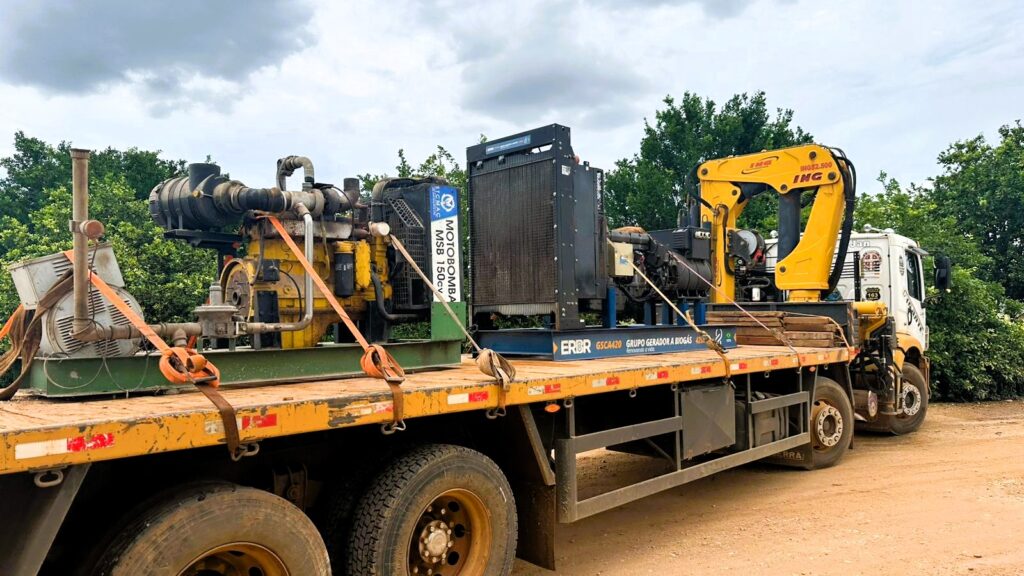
(83, 327)
(80, 213)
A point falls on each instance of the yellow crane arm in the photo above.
(804, 267)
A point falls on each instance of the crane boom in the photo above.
(805, 266)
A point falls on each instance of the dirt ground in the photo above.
(948, 499)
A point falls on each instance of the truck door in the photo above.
(913, 295)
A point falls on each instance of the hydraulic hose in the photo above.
(378, 290)
(849, 174)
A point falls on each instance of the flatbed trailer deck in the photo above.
(319, 449)
(39, 434)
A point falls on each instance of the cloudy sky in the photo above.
(349, 83)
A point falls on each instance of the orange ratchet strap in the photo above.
(376, 361)
(10, 321)
(179, 365)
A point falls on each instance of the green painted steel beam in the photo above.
(243, 367)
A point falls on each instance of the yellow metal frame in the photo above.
(153, 424)
(805, 271)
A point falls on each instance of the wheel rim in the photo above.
(911, 399)
(452, 536)
(237, 559)
(827, 423)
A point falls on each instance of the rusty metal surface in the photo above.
(39, 434)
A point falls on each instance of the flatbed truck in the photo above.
(143, 485)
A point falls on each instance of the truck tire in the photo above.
(831, 424)
(915, 402)
(443, 508)
(217, 529)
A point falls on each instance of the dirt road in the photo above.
(946, 500)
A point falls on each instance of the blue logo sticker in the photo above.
(507, 145)
(444, 202)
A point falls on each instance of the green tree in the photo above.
(914, 212)
(650, 188)
(36, 167)
(982, 189)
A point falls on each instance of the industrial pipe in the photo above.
(286, 167)
(82, 323)
(207, 201)
(83, 327)
(310, 242)
(382, 309)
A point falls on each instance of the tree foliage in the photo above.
(650, 188)
(36, 167)
(982, 190)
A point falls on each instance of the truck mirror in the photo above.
(943, 273)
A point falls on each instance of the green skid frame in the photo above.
(245, 367)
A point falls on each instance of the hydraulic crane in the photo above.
(799, 175)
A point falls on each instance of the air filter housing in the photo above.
(537, 227)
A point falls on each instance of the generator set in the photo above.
(541, 248)
(265, 319)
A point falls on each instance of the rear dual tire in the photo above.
(440, 508)
(217, 529)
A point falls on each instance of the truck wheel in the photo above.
(439, 509)
(831, 424)
(915, 402)
(218, 529)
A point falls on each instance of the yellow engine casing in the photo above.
(240, 284)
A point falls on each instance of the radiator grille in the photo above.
(407, 225)
(513, 235)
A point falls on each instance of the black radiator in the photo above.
(536, 226)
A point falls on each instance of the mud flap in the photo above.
(535, 504)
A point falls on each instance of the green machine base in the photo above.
(76, 377)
